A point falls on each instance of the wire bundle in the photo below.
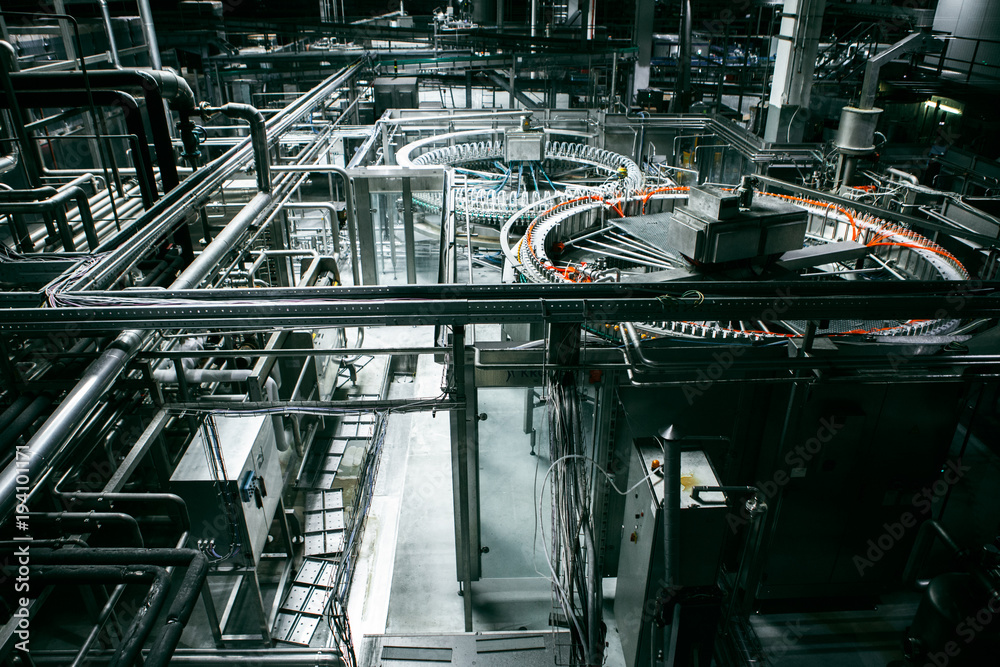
(576, 585)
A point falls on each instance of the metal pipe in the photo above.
(328, 206)
(258, 137)
(904, 175)
(155, 86)
(112, 44)
(48, 200)
(9, 54)
(13, 410)
(185, 598)
(671, 505)
(145, 618)
(32, 96)
(149, 32)
(102, 619)
(210, 257)
(929, 530)
(349, 205)
(8, 162)
(12, 431)
(48, 441)
(82, 519)
(682, 92)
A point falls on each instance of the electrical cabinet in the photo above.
(251, 482)
(639, 595)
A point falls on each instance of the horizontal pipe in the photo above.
(46, 200)
(83, 520)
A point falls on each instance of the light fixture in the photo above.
(943, 107)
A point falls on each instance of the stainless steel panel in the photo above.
(248, 447)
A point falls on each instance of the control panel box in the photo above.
(712, 229)
(521, 146)
(641, 564)
(252, 482)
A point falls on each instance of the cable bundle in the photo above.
(576, 585)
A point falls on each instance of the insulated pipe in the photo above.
(185, 599)
(131, 644)
(12, 431)
(258, 137)
(15, 408)
(83, 520)
(48, 200)
(112, 44)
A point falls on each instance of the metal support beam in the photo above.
(460, 476)
(510, 87)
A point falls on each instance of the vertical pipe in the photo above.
(671, 505)
(112, 44)
(149, 32)
(682, 91)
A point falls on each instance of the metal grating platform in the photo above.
(302, 610)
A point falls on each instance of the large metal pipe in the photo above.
(149, 32)
(112, 43)
(682, 91)
(225, 241)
